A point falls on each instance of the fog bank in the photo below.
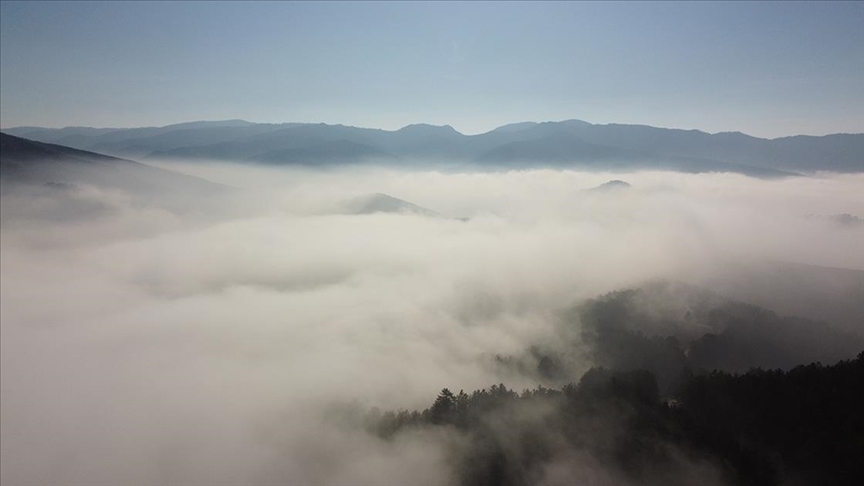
(146, 345)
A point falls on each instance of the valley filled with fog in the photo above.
(233, 335)
(431, 243)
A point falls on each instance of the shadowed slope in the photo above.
(25, 161)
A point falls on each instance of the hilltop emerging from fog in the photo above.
(571, 144)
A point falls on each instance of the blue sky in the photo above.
(769, 69)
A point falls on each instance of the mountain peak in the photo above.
(612, 186)
(427, 128)
(385, 203)
(515, 127)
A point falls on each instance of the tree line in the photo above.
(761, 427)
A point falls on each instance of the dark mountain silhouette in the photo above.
(615, 185)
(29, 162)
(384, 203)
(570, 143)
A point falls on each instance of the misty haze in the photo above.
(473, 300)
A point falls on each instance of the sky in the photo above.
(768, 69)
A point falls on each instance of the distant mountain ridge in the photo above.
(569, 143)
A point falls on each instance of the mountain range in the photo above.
(571, 143)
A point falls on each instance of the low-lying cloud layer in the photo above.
(148, 346)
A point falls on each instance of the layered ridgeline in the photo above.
(571, 143)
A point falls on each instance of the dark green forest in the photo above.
(722, 387)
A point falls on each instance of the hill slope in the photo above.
(29, 162)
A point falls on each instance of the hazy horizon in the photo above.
(424, 123)
(768, 69)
